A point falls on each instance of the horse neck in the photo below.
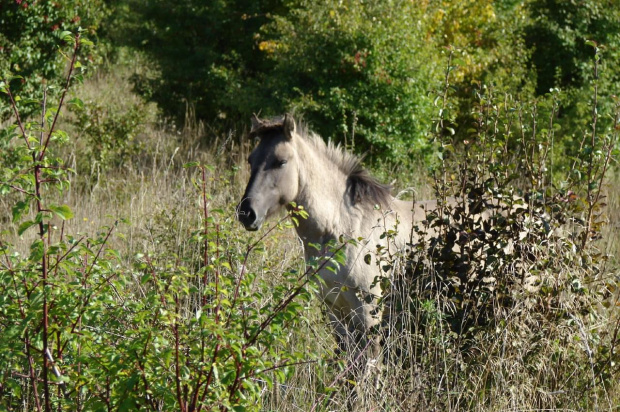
(322, 192)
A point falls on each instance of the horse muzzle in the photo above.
(247, 216)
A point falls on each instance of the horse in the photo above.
(291, 165)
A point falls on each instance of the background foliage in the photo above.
(31, 33)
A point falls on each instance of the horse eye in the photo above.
(280, 163)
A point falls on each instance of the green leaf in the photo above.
(19, 209)
(37, 250)
(86, 42)
(66, 36)
(216, 372)
(31, 102)
(77, 103)
(63, 212)
(367, 259)
(191, 164)
(25, 226)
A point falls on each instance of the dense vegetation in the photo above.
(360, 71)
(126, 284)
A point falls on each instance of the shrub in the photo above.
(108, 133)
(558, 34)
(207, 54)
(358, 72)
(502, 309)
(30, 35)
(83, 331)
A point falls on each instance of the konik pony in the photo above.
(342, 199)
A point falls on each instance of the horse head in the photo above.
(274, 179)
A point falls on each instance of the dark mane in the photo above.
(362, 187)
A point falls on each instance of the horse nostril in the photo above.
(247, 216)
(250, 216)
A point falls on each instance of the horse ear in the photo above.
(289, 126)
(256, 124)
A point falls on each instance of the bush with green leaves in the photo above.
(206, 54)
(32, 33)
(558, 33)
(507, 306)
(108, 134)
(85, 331)
(561, 36)
(361, 72)
(358, 72)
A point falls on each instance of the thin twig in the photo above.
(64, 93)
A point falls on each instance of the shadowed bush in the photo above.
(503, 309)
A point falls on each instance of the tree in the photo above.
(31, 33)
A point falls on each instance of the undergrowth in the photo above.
(88, 325)
(513, 304)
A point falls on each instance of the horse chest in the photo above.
(343, 286)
